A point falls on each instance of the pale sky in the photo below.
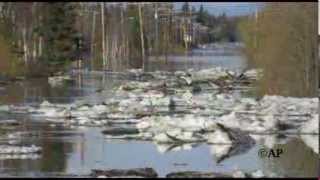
(230, 8)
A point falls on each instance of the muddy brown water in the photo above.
(77, 150)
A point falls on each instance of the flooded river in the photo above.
(78, 150)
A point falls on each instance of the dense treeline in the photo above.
(49, 36)
(41, 38)
(45, 38)
(220, 28)
(282, 40)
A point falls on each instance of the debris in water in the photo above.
(137, 172)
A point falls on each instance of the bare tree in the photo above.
(141, 36)
(103, 35)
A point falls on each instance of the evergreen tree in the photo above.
(185, 7)
(203, 16)
(59, 33)
(193, 9)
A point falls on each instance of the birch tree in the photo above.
(103, 35)
(141, 36)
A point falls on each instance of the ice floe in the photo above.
(9, 149)
(31, 156)
(58, 80)
(167, 110)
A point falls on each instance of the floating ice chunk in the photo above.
(312, 141)
(163, 148)
(143, 125)
(280, 105)
(238, 174)
(52, 112)
(175, 136)
(249, 101)
(154, 94)
(143, 94)
(182, 147)
(257, 174)
(269, 121)
(188, 122)
(187, 79)
(83, 108)
(19, 156)
(312, 126)
(270, 141)
(174, 132)
(46, 104)
(222, 96)
(207, 74)
(179, 73)
(79, 103)
(127, 102)
(99, 109)
(162, 138)
(8, 149)
(219, 137)
(82, 112)
(146, 135)
(291, 108)
(229, 120)
(155, 101)
(102, 176)
(4, 108)
(254, 73)
(57, 113)
(58, 80)
(219, 150)
(186, 147)
(124, 116)
(83, 120)
(135, 71)
(182, 136)
(129, 86)
(187, 96)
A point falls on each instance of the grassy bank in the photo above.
(10, 65)
(282, 40)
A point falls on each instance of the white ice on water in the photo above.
(19, 156)
(58, 80)
(244, 113)
(10, 149)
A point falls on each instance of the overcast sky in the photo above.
(230, 8)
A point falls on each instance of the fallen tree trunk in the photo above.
(120, 131)
(137, 172)
(195, 174)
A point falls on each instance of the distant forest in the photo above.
(43, 38)
(50, 36)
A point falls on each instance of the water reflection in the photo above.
(36, 90)
(77, 151)
(198, 59)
